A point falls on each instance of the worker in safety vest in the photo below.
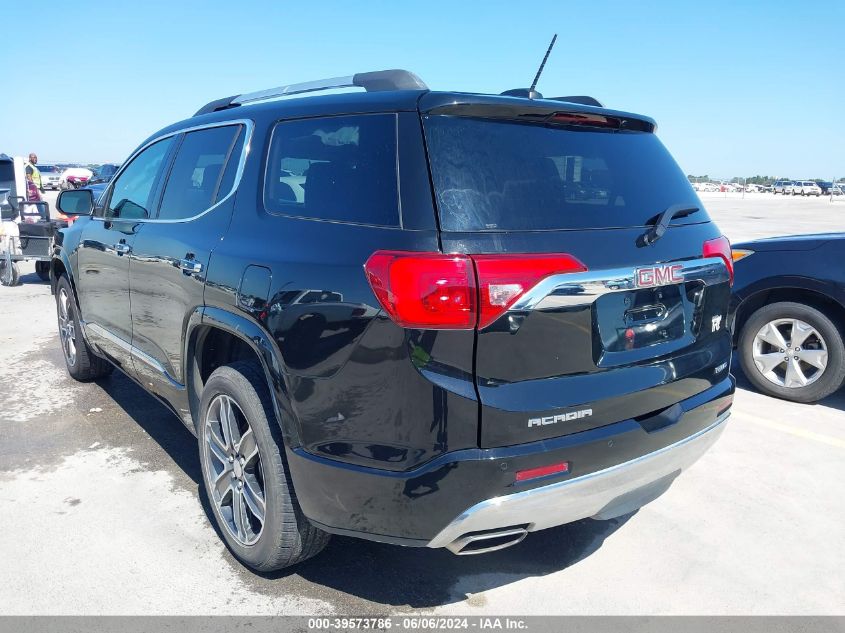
(32, 172)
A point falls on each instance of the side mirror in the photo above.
(76, 202)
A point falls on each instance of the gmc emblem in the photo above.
(659, 276)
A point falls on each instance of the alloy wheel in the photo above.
(790, 353)
(234, 469)
(67, 328)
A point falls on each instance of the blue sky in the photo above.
(737, 88)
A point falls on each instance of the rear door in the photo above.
(604, 326)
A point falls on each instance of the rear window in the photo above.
(495, 175)
(47, 169)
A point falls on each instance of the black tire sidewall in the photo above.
(228, 380)
(834, 373)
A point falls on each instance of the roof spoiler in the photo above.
(582, 99)
(375, 81)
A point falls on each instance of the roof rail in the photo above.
(375, 81)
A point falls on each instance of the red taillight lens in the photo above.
(503, 279)
(444, 292)
(424, 290)
(720, 247)
(542, 471)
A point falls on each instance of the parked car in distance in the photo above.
(805, 188)
(781, 186)
(101, 178)
(75, 177)
(50, 176)
(825, 186)
(407, 316)
(788, 314)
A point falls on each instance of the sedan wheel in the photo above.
(793, 351)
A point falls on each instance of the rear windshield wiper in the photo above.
(661, 222)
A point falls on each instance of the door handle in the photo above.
(190, 266)
(122, 248)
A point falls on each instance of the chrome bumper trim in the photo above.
(592, 495)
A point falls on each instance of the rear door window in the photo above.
(504, 176)
(335, 168)
(197, 180)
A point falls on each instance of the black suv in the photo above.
(427, 318)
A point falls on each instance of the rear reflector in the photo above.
(457, 292)
(720, 247)
(542, 471)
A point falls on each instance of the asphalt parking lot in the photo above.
(103, 515)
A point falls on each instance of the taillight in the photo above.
(456, 292)
(424, 290)
(503, 279)
(720, 247)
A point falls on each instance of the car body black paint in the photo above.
(390, 432)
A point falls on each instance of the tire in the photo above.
(285, 536)
(10, 275)
(826, 337)
(81, 362)
(42, 269)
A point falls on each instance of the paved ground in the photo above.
(99, 487)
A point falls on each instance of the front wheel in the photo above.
(793, 351)
(81, 362)
(245, 473)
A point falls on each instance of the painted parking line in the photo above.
(809, 435)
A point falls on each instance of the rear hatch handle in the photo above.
(661, 222)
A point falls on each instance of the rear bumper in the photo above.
(613, 469)
(604, 494)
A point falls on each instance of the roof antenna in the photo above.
(532, 93)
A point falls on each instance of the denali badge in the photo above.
(716, 322)
(659, 275)
(563, 417)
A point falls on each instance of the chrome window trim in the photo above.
(249, 127)
(581, 289)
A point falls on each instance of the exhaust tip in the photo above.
(487, 541)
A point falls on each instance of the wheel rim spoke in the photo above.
(239, 515)
(772, 336)
(816, 358)
(254, 499)
(794, 376)
(217, 448)
(767, 362)
(223, 484)
(800, 332)
(247, 446)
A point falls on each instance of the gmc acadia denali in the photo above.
(426, 318)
